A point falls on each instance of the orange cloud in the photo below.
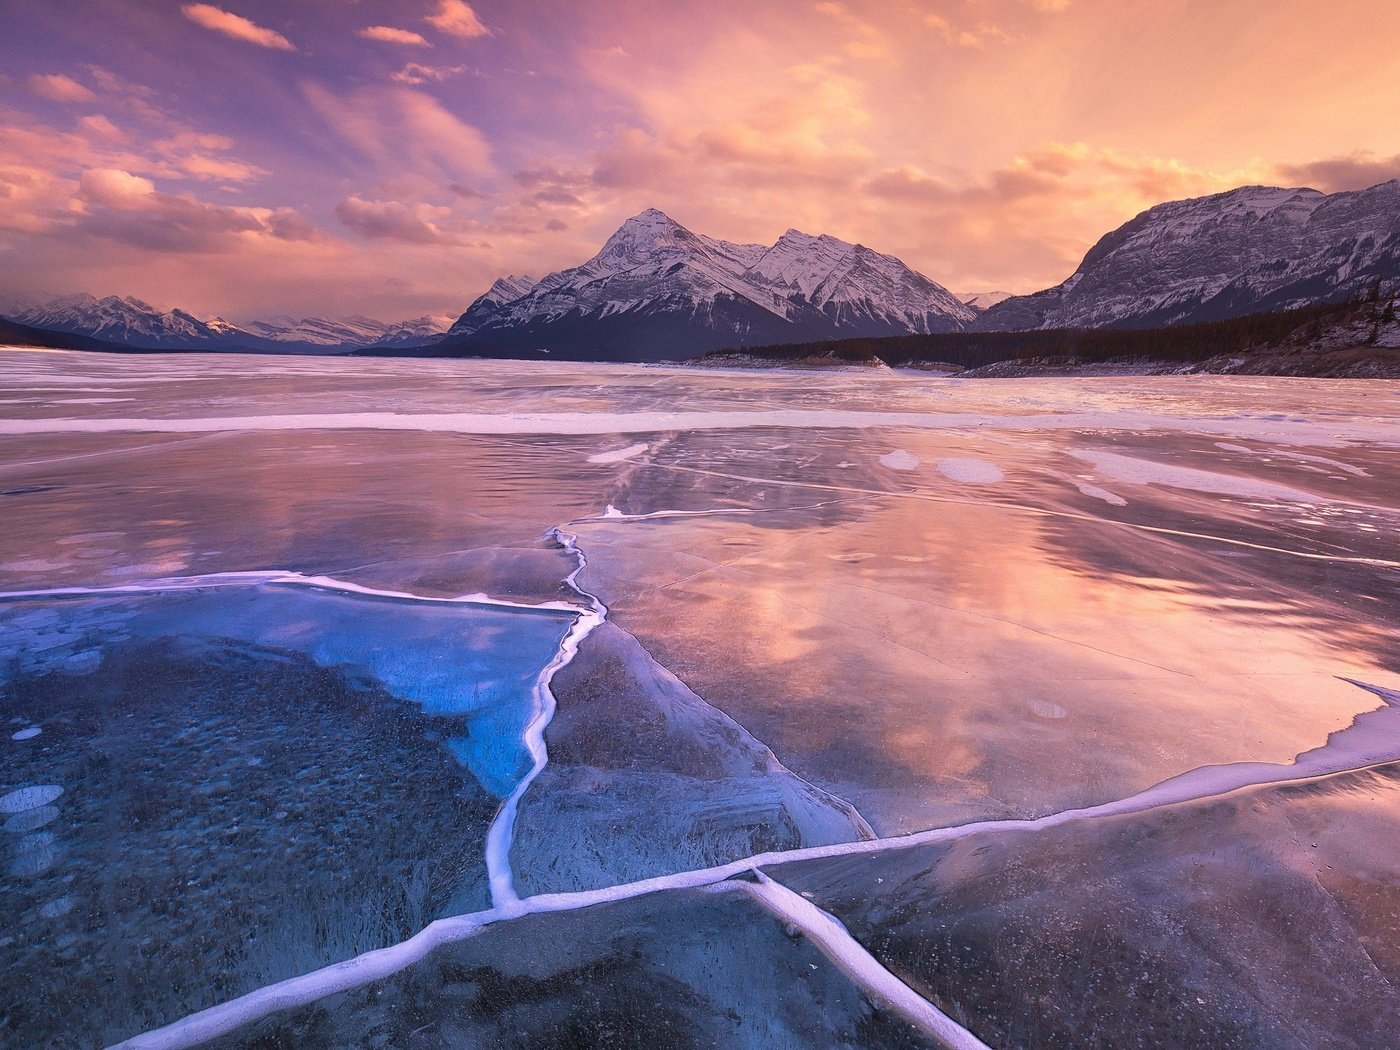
(392, 35)
(456, 18)
(236, 26)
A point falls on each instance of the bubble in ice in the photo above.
(56, 907)
(31, 819)
(34, 854)
(970, 471)
(900, 460)
(1046, 709)
(28, 733)
(29, 798)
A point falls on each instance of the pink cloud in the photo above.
(59, 88)
(417, 73)
(97, 125)
(115, 188)
(1354, 171)
(456, 18)
(404, 132)
(393, 35)
(392, 220)
(116, 205)
(236, 26)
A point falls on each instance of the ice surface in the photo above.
(1267, 917)
(1103, 690)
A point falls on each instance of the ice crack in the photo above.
(501, 834)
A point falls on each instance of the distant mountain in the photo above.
(981, 300)
(350, 332)
(12, 333)
(1248, 250)
(415, 331)
(320, 331)
(656, 291)
(127, 322)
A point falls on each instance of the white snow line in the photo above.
(501, 834)
(831, 936)
(286, 577)
(1278, 431)
(612, 516)
(1205, 782)
(617, 455)
(1044, 512)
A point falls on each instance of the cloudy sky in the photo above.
(254, 157)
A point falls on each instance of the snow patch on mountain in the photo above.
(982, 300)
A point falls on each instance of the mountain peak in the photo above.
(645, 237)
(797, 237)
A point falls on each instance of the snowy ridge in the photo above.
(354, 331)
(982, 300)
(503, 290)
(1243, 251)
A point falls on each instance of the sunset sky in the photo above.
(255, 157)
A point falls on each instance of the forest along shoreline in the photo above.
(1358, 339)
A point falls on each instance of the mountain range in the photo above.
(128, 322)
(658, 291)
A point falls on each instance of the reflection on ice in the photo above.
(1071, 635)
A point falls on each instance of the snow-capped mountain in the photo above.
(321, 331)
(128, 321)
(1252, 249)
(351, 332)
(657, 291)
(415, 331)
(982, 300)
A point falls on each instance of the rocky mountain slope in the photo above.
(1248, 250)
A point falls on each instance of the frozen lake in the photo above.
(699, 707)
